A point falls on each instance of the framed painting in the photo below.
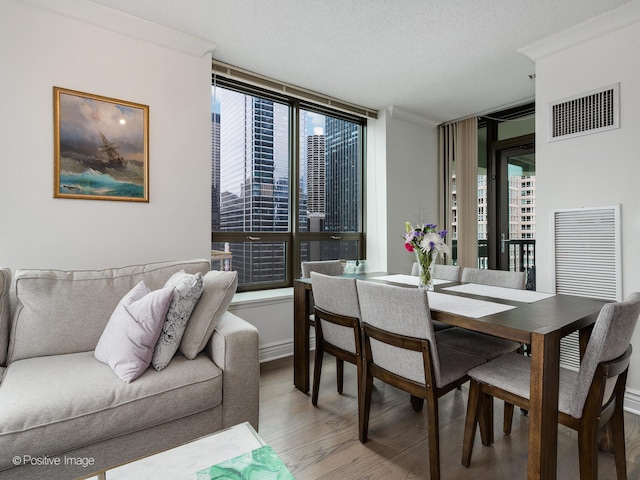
(101, 147)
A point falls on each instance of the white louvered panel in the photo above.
(570, 351)
(592, 112)
(586, 261)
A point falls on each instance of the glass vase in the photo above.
(426, 262)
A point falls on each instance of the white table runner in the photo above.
(408, 279)
(468, 307)
(525, 296)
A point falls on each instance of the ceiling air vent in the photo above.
(587, 113)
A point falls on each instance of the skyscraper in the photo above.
(334, 162)
(215, 171)
(343, 176)
(254, 181)
(316, 191)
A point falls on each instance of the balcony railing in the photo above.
(522, 258)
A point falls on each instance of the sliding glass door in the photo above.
(507, 192)
(516, 208)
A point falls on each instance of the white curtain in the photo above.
(458, 159)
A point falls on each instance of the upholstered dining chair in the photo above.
(400, 347)
(443, 272)
(327, 267)
(337, 318)
(588, 399)
(495, 278)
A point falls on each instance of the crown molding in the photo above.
(596, 27)
(130, 25)
(398, 113)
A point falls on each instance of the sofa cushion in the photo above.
(62, 312)
(5, 285)
(219, 288)
(128, 340)
(51, 405)
(187, 290)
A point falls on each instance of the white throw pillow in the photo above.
(128, 340)
(186, 293)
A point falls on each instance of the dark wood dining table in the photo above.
(540, 324)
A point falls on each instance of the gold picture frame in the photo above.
(101, 147)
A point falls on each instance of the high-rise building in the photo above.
(316, 189)
(522, 219)
(215, 171)
(254, 181)
(343, 176)
(342, 182)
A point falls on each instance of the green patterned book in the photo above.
(259, 464)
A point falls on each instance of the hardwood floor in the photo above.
(322, 443)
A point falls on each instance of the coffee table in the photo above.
(184, 461)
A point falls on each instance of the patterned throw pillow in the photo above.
(187, 291)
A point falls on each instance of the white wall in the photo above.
(601, 169)
(271, 312)
(411, 181)
(40, 50)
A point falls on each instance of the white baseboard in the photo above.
(632, 401)
(274, 351)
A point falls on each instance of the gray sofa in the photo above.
(64, 414)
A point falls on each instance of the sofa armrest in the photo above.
(234, 347)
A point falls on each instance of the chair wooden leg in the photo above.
(471, 422)
(588, 451)
(619, 448)
(434, 438)
(365, 404)
(417, 403)
(360, 384)
(340, 374)
(605, 439)
(508, 418)
(317, 369)
(486, 418)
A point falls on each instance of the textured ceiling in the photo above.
(439, 59)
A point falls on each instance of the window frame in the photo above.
(294, 238)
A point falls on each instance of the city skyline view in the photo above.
(251, 184)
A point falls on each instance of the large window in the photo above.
(286, 185)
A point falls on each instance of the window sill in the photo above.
(262, 297)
